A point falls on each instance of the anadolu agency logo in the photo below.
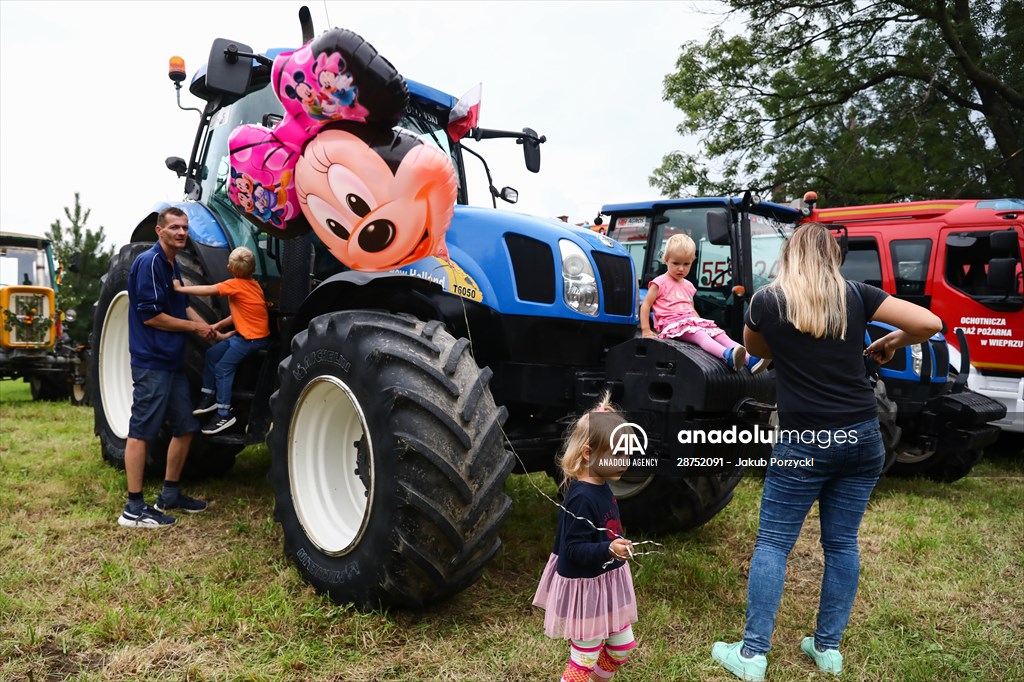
(628, 440)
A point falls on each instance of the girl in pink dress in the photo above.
(586, 589)
(670, 297)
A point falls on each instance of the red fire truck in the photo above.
(961, 259)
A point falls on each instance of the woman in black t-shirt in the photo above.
(811, 322)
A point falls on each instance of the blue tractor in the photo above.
(391, 401)
(926, 415)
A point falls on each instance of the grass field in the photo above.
(214, 599)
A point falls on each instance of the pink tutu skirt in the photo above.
(687, 325)
(585, 608)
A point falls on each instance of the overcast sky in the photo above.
(87, 105)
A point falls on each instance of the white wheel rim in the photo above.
(330, 500)
(624, 489)
(906, 456)
(115, 367)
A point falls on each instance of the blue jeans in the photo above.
(841, 478)
(223, 359)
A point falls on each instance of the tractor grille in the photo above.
(28, 318)
(534, 268)
(617, 283)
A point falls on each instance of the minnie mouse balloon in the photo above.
(377, 198)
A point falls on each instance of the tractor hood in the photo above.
(476, 223)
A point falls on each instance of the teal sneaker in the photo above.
(750, 669)
(829, 661)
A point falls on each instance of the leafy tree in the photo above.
(863, 101)
(79, 290)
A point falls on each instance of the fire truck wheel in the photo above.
(387, 460)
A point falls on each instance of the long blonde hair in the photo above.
(812, 286)
(593, 430)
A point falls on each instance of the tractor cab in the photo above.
(715, 224)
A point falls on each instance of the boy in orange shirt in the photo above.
(252, 333)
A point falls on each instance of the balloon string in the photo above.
(633, 554)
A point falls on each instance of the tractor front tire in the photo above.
(890, 430)
(48, 387)
(388, 461)
(946, 464)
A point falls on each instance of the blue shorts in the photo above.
(160, 395)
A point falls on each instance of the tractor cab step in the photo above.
(228, 438)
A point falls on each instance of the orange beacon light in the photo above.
(176, 70)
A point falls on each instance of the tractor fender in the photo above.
(350, 290)
(203, 227)
(206, 234)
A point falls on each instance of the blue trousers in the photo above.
(222, 360)
(841, 479)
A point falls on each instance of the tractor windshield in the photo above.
(24, 266)
(424, 119)
(712, 268)
(261, 107)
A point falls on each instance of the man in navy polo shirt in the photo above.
(158, 319)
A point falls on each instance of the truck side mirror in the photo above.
(719, 224)
(1004, 241)
(1002, 276)
(531, 149)
(226, 72)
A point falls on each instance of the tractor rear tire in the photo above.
(110, 381)
(388, 461)
(662, 504)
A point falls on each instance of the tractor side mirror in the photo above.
(226, 71)
(531, 149)
(176, 164)
(719, 224)
(76, 264)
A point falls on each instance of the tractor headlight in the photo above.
(70, 315)
(915, 358)
(579, 286)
